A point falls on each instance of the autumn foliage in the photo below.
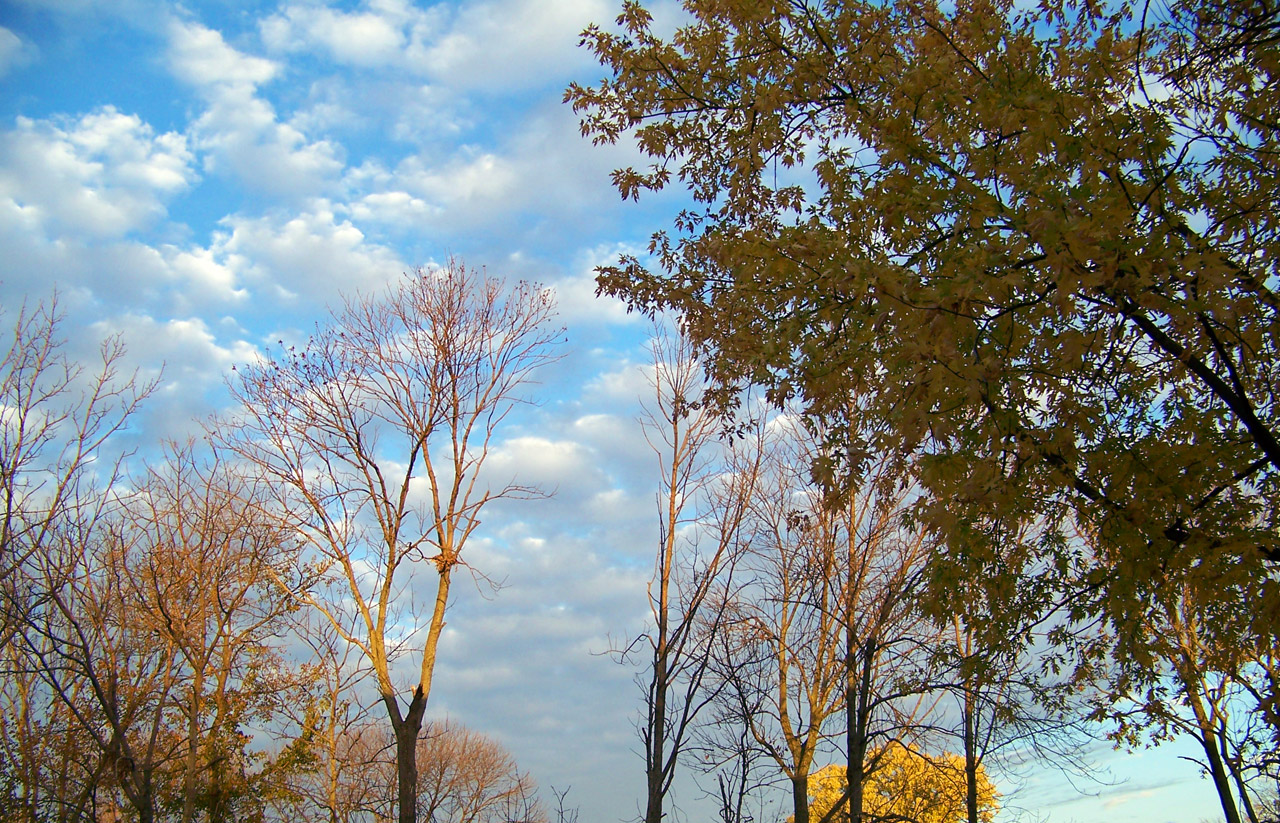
(908, 785)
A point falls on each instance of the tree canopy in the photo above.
(1041, 241)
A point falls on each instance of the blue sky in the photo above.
(204, 178)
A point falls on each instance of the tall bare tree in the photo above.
(699, 497)
(55, 416)
(377, 429)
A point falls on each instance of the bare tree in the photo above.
(778, 655)
(55, 416)
(697, 497)
(79, 683)
(463, 777)
(377, 430)
(322, 790)
(822, 623)
(468, 777)
(47, 761)
(209, 550)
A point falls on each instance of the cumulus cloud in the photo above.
(243, 137)
(626, 381)
(535, 181)
(508, 44)
(310, 257)
(104, 174)
(366, 38)
(187, 357)
(497, 46)
(395, 207)
(471, 182)
(198, 55)
(239, 132)
(203, 277)
(576, 292)
(567, 468)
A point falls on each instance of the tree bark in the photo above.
(800, 796)
(406, 729)
(970, 758)
(657, 743)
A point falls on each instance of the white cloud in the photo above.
(509, 44)
(626, 382)
(395, 207)
(537, 178)
(311, 257)
(199, 56)
(496, 46)
(563, 466)
(243, 137)
(576, 295)
(103, 175)
(371, 38)
(471, 182)
(194, 363)
(239, 132)
(13, 51)
(187, 347)
(205, 278)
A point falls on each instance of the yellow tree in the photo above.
(909, 787)
(376, 431)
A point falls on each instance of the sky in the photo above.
(205, 178)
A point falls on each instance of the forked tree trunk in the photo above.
(407, 728)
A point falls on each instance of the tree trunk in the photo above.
(800, 797)
(1220, 780)
(193, 747)
(657, 743)
(406, 731)
(858, 665)
(1193, 689)
(970, 757)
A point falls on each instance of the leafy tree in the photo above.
(375, 432)
(1041, 241)
(908, 786)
